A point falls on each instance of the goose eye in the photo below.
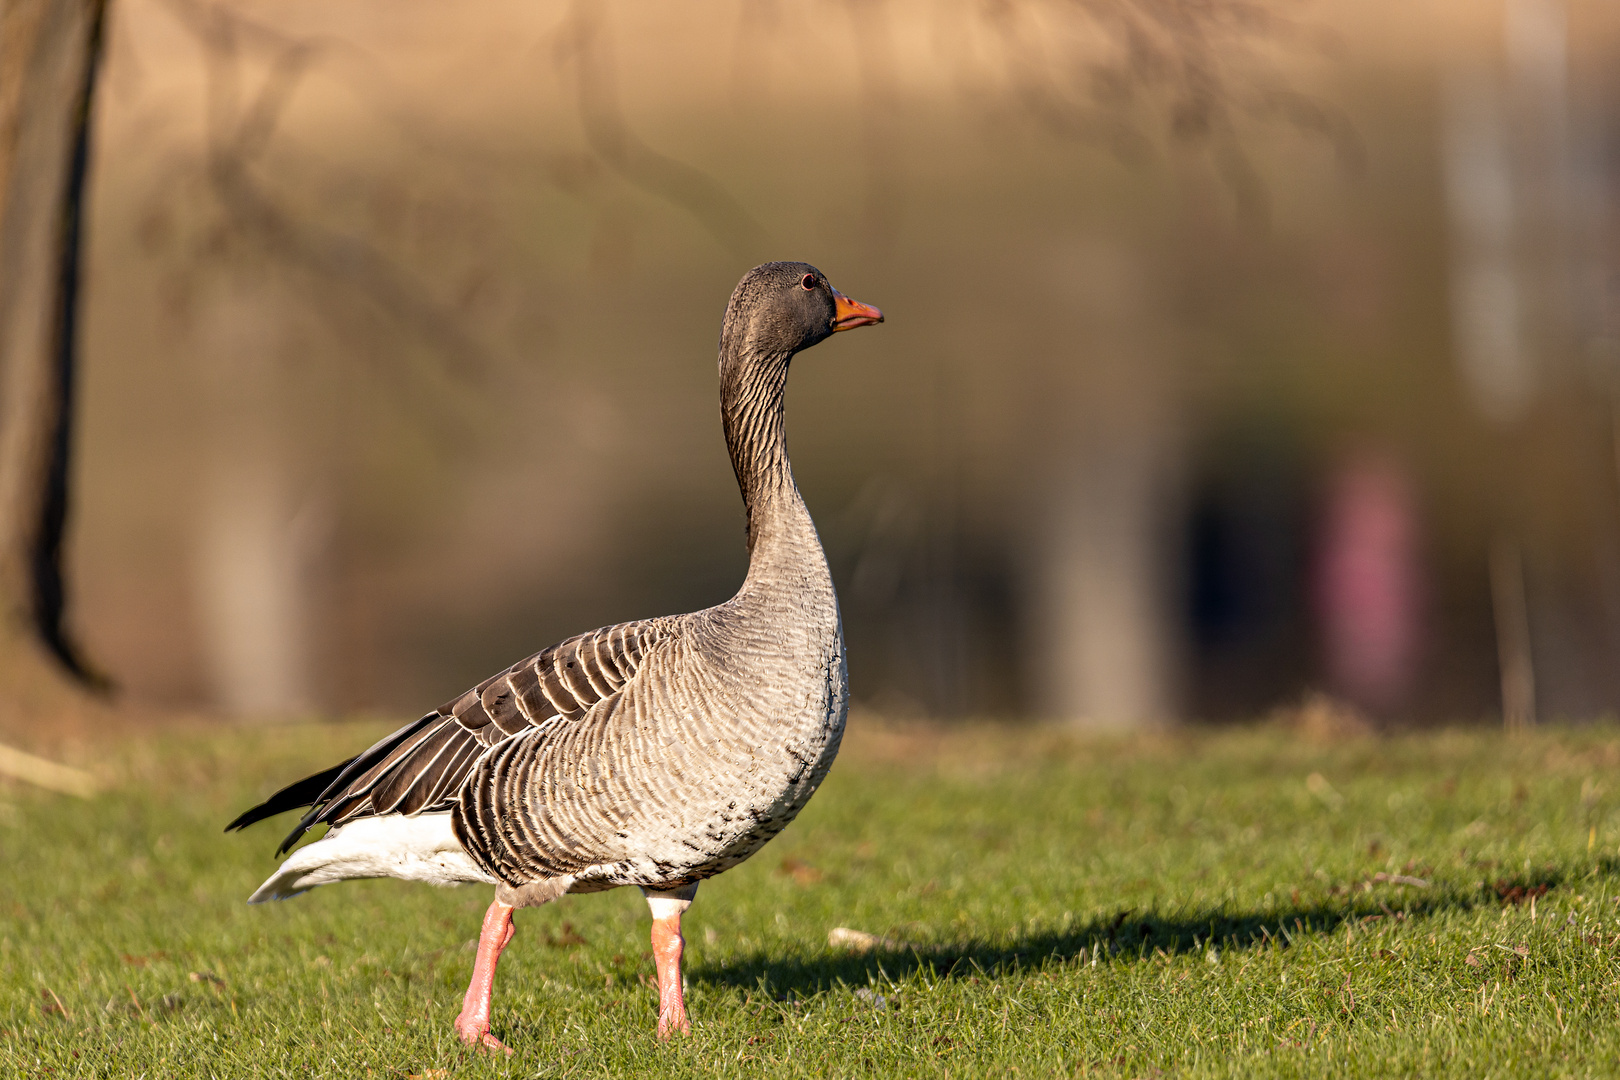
(808, 283)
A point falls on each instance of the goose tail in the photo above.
(415, 848)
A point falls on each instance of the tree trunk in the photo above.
(1104, 628)
(261, 535)
(48, 58)
(1109, 651)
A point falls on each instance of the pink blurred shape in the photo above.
(1367, 582)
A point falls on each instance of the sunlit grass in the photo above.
(1240, 903)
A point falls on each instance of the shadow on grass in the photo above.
(1129, 935)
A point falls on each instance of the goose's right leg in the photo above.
(473, 1023)
(667, 943)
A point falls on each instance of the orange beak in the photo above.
(848, 314)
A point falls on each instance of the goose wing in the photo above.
(421, 766)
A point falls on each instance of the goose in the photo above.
(656, 753)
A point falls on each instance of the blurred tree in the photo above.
(263, 279)
(49, 50)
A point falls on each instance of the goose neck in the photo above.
(751, 407)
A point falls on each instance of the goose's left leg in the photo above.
(667, 908)
(473, 1023)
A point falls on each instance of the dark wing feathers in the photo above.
(423, 765)
(500, 701)
(399, 790)
(290, 797)
(453, 774)
(526, 695)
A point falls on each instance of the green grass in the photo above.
(1205, 904)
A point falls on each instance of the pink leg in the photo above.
(667, 946)
(473, 1023)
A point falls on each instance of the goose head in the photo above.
(782, 308)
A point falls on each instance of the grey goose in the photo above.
(655, 753)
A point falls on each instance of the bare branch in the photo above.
(582, 41)
(238, 136)
(1194, 63)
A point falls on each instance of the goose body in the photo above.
(655, 753)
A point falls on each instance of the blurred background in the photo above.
(1239, 355)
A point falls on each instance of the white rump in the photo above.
(420, 848)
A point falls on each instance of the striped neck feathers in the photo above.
(751, 409)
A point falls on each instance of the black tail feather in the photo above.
(291, 797)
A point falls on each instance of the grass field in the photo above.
(1238, 903)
